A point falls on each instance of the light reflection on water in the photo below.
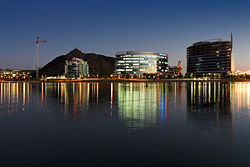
(173, 119)
(138, 104)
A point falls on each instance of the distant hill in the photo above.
(98, 64)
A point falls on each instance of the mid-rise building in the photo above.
(76, 68)
(137, 63)
(210, 57)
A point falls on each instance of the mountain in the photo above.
(98, 64)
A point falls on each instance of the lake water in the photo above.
(125, 124)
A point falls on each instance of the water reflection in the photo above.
(137, 104)
(14, 97)
(241, 94)
(157, 122)
(145, 105)
(210, 108)
(209, 97)
(209, 102)
(222, 99)
(72, 98)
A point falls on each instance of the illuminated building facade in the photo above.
(209, 57)
(76, 68)
(140, 63)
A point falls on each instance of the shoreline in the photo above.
(128, 80)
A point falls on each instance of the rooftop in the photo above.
(138, 52)
(76, 59)
(209, 41)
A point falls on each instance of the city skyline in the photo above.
(110, 26)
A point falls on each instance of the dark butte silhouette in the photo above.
(98, 64)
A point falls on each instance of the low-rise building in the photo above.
(176, 71)
(8, 74)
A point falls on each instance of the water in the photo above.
(124, 124)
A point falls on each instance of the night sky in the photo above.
(107, 26)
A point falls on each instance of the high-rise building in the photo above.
(137, 63)
(76, 68)
(210, 57)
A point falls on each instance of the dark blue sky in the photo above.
(107, 26)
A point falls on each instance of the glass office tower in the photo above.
(136, 63)
(209, 57)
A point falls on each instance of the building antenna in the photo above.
(37, 42)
